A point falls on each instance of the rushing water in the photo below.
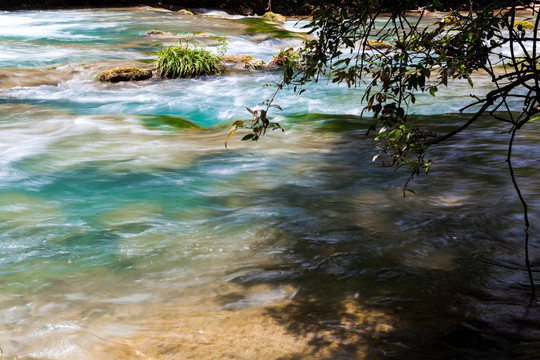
(125, 235)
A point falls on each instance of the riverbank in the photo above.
(249, 7)
(252, 7)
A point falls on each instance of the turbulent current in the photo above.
(129, 231)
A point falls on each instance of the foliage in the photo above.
(421, 60)
(286, 56)
(186, 61)
(258, 124)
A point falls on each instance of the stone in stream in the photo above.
(244, 62)
(184, 12)
(124, 73)
(274, 17)
(156, 32)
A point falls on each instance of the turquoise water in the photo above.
(111, 210)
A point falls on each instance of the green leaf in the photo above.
(248, 137)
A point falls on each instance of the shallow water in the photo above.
(127, 230)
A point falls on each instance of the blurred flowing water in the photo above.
(127, 230)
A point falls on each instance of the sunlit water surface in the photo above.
(125, 235)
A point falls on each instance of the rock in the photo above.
(254, 64)
(156, 32)
(244, 61)
(184, 12)
(124, 73)
(378, 45)
(245, 10)
(274, 17)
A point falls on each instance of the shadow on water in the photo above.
(438, 275)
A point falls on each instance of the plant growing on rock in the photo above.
(286, 56)
(186, 61)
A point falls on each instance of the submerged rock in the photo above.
(156, 32)
(244, 10)
(124, 73)
(198, 34)
(244, 62)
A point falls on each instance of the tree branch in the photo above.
(533, 299)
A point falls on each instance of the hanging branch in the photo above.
(533, 299)
(421, 60)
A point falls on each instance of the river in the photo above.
(125, 234)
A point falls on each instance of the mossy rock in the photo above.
(184, 12)
(124, 73)
(274, 17)
(524, 24)
(246, 61)
(378, 45)
(156, 32)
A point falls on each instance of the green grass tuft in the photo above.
(185, 61)
(524, 24)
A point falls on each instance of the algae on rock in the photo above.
(245, 61)
(274, 17)
(378, 45)
(156, 32)
(124, 73)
